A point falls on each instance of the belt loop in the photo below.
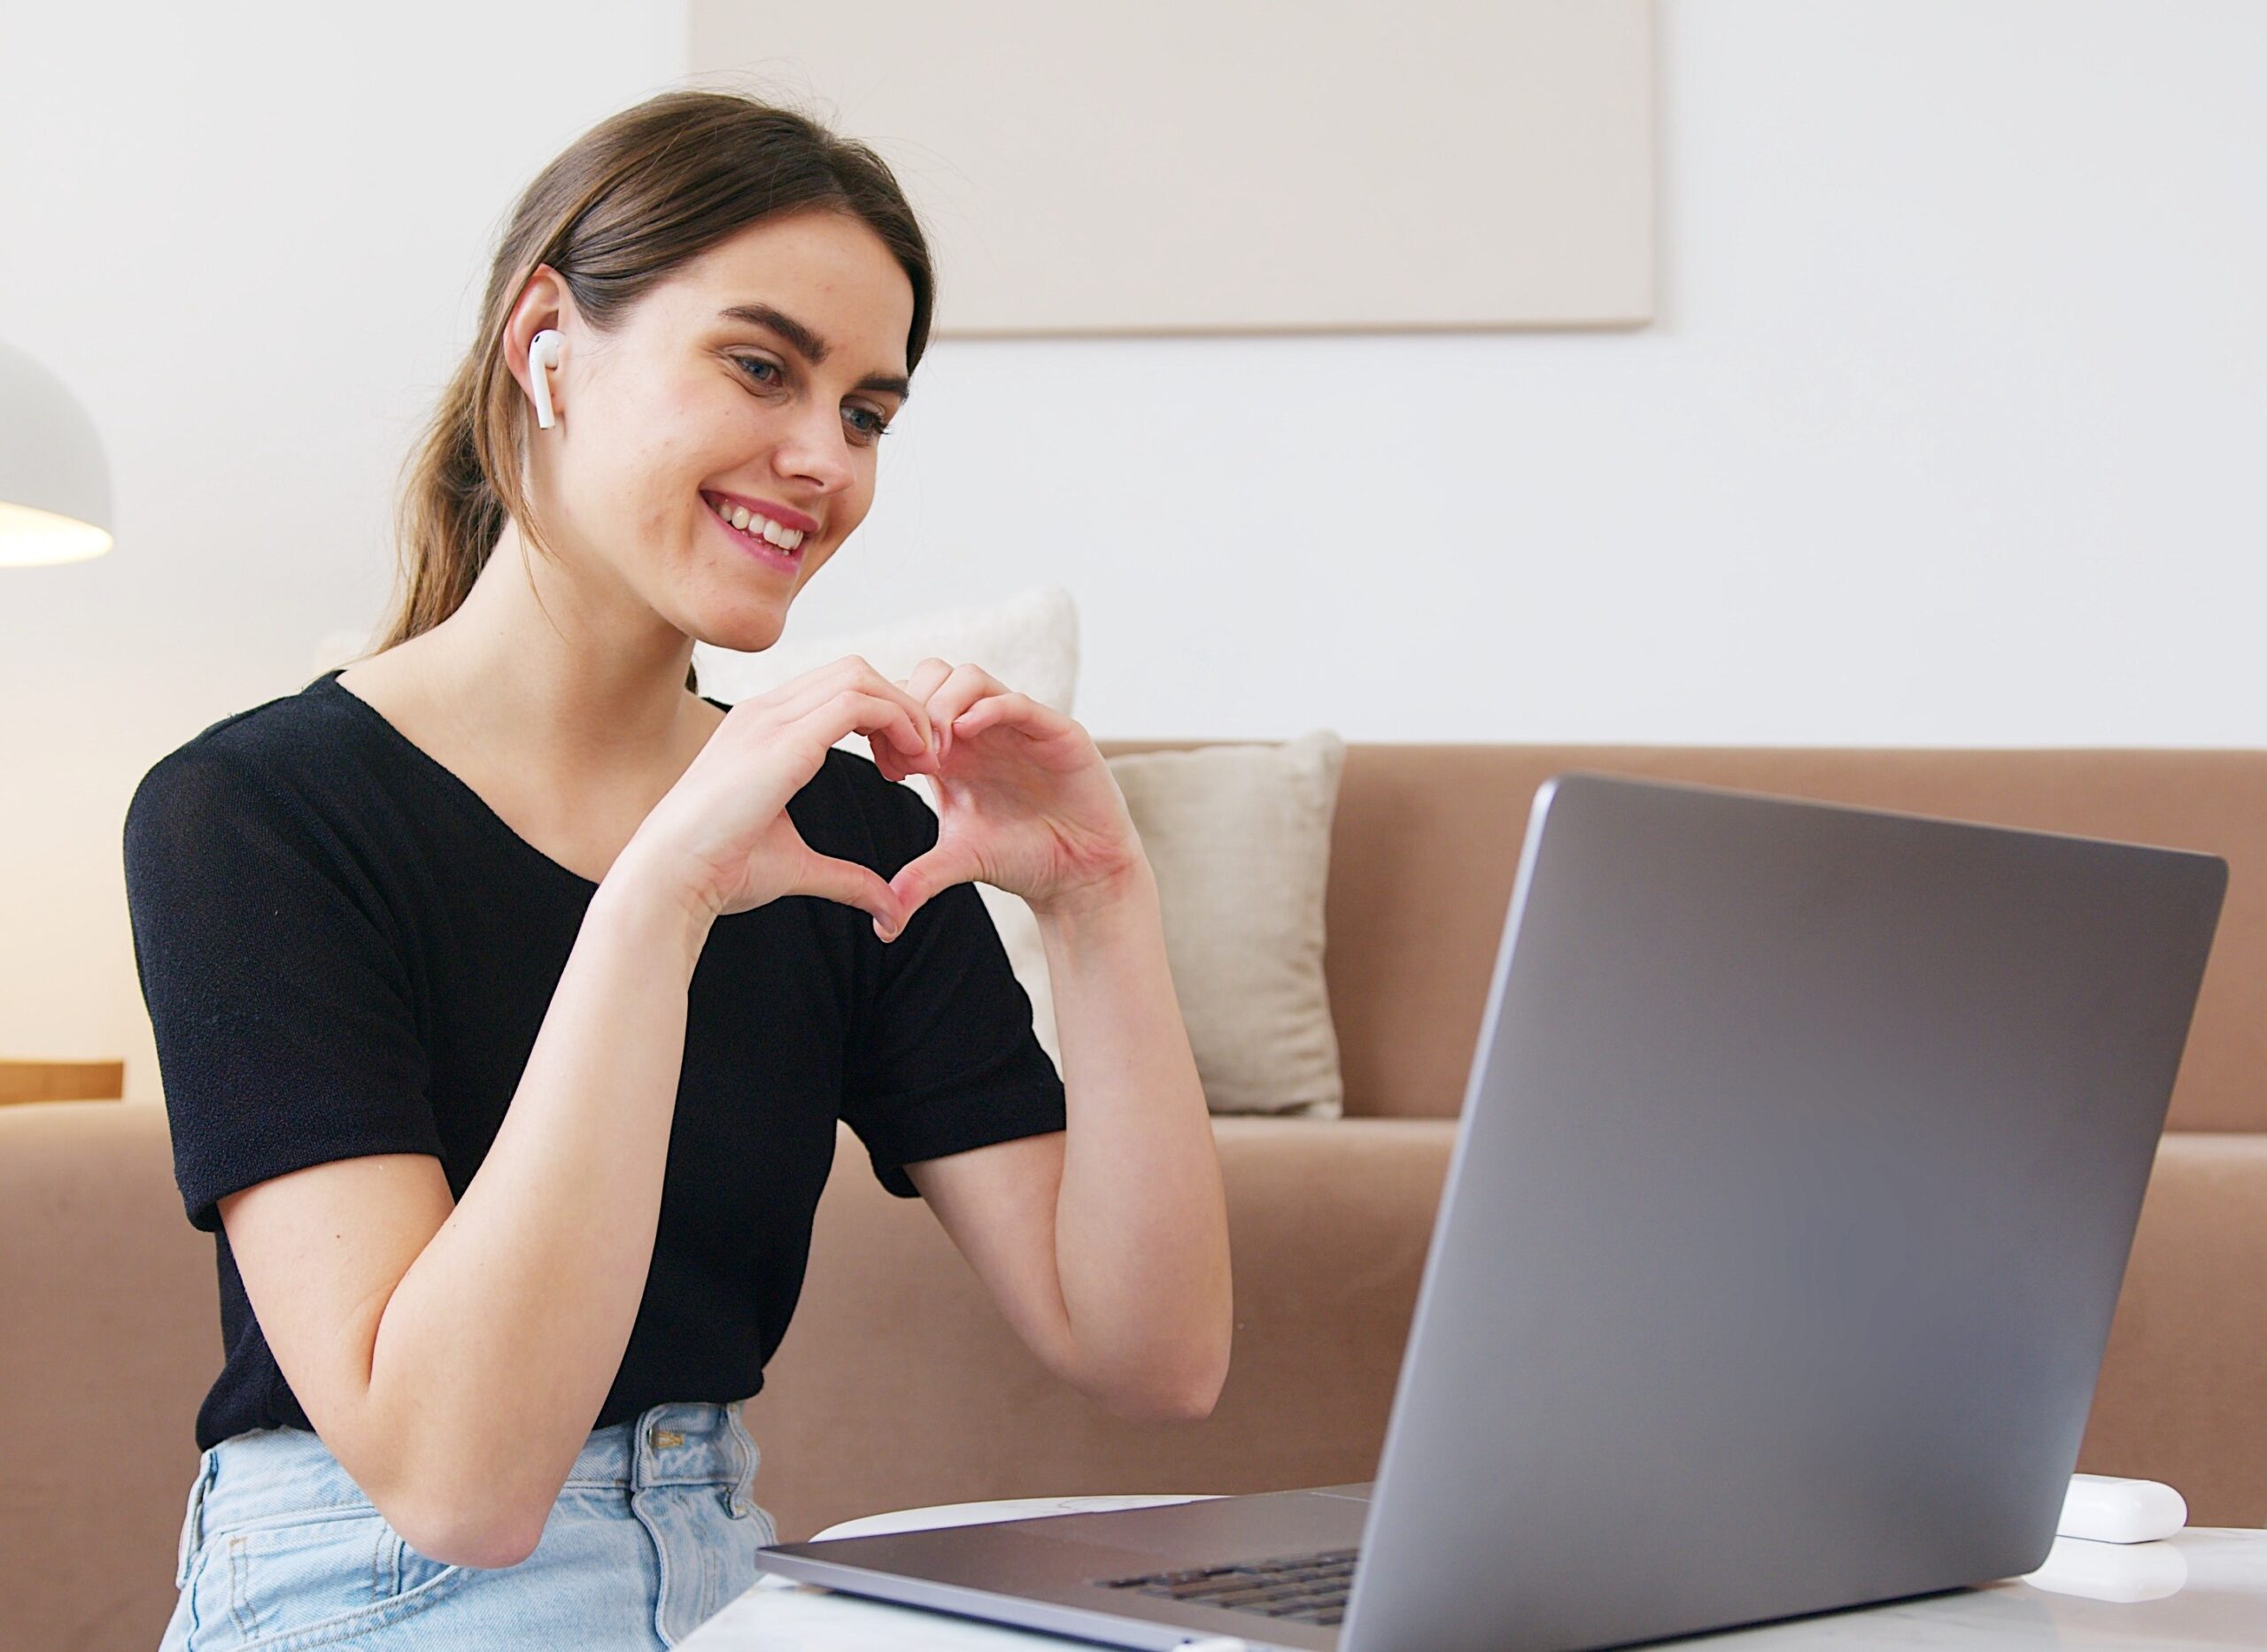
(743, 1494)
(643, 1466)
(192, 1524)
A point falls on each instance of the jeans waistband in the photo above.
(289, 1470)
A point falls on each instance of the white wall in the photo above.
(250, 237)
(1944, 434)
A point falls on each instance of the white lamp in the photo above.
(54, 481)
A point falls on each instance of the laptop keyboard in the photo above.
(1307, 1588)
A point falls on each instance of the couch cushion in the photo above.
(1239, 838)
(1427, 838)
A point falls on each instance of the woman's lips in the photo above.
(756, 546)
(784, 515)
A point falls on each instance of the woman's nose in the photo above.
(816, 449)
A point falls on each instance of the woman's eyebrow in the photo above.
(809, 344)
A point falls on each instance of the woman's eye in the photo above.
(756, 368)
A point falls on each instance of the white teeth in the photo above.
(740, 517)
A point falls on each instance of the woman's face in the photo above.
(690, 407)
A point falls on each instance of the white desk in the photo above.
(2206, 1587)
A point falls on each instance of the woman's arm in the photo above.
(1107, 1245)
(455, 1359)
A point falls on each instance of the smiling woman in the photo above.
(496, 1059)
(669, 310)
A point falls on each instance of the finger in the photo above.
(815, 688)
(967, 684)
(798, 691)
(865, 676)
(920, 685)
(926, 677)
(1019, 712)
(851, 884)
(852, 710)
(896, 765)
(924, 876)
(962, 688)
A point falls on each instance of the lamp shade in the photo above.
(54, 481)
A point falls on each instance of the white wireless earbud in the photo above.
(543, 354)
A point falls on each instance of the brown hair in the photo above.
(634, 197)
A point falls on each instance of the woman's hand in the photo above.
(1024, 800)
(721, 839)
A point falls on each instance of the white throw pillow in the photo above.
(1239, 838)
(1029, 641)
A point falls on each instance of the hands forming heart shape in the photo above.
(1025, 800)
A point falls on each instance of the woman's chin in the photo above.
(748, 632)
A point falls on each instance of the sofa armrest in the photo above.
(899, 1383)
(109, 1337)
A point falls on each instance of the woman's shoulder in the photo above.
(266, 759)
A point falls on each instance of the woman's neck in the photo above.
(580, 682)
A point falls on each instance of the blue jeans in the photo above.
(655, 1531)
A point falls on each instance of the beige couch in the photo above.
(899, 1385)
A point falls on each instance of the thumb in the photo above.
(925, 874)
(851, 884)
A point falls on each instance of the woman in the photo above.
(507, 992)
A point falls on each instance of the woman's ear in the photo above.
(536, 321)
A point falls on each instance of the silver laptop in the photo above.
(1797, 1172)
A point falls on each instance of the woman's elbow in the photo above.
(1181, 1396)
(459, 1531)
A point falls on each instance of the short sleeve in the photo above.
(942, 1058)
(286, 1033)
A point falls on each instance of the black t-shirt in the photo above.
(345, 951)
